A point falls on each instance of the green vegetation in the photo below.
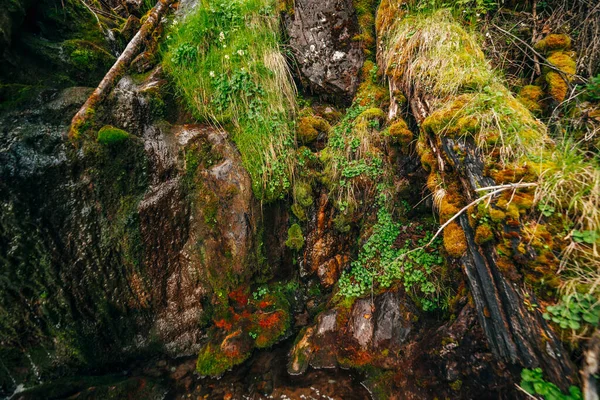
(573, 310)
(380, 264)
(109, 135)
(225, 61)
(532, 381)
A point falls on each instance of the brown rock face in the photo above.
(327, 250)
(321, 37)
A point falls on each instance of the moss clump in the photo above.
(310, 128)
(531, 96)
(558, 84)
(214, 361)
(455, 242)
(110, 135)
(299, 212)
(303, 194)
(554, 42)
(295, 238)
(496, 215)
(369, 93)
(483, 234)
(400, 133)
(365, 10)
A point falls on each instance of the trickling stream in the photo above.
(263, 376)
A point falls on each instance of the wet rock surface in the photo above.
(321, 36)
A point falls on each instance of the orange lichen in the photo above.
(239, 296)
(270, 328)
(223, 324)
(455, 242)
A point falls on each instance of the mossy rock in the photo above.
(215, 360)
(295, 238)
(558, 83)
(109, 135)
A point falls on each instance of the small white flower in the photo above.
(226, 57)
(240, 52)
(175, 22)
(224, 46)
(221, 37)
(212, 74)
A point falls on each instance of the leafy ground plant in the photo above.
(225, 61)
(532, 381)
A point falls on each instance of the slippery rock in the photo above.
(321, 36)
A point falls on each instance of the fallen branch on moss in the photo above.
(119, 68)
(496, 190)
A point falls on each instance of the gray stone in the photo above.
(321, 36)
(362, 322)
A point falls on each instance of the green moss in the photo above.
(366, 10)
(400, 133)
(109, 135)
(299, 212)
(295, 238)
(303, 194)
(13, 96)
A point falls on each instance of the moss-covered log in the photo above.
(475, 135)
(119, 68)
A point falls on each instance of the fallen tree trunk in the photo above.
(452, 149)
(119, 67)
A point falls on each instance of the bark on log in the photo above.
(515, 334)
(591, 368)
(119, 67)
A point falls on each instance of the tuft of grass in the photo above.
(225, 61)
